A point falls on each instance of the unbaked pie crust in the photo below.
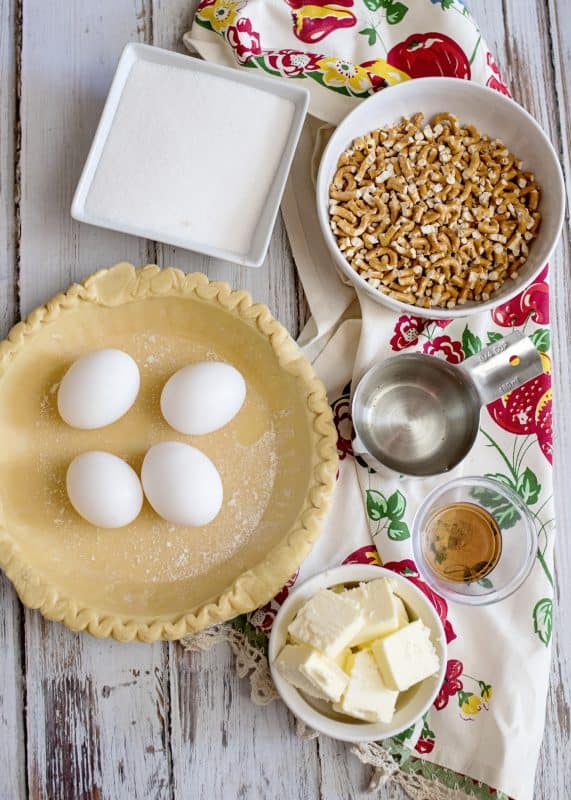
(277, 458)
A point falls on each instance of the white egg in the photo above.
(104, 489)
(181, 484)
(203, 397)
(98, 388)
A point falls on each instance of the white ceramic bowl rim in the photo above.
(337, 729)
(379, 116)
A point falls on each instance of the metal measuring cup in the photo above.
(419, 415)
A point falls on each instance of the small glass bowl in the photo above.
(518, 539)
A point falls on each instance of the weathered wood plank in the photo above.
(532, 42)
(13, 772)
(69, 57)
(226, 747)
(343, 775)
(97, 711)
(554, 772)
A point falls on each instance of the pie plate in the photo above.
(277, 458)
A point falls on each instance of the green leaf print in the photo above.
(506, 515)
(528, 487)
(471, 344)
(371, 35)
(541, 339)
(446, 4)
(487, 497)
(543, 619)
(398, 531)
(503, 511)
(376, 505)
(396, 13)
(486, 583)
(426, 732)
(374, 5)
(406, 734)
(396, 506)
(493, 337)
(499, 476)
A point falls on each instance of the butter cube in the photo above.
(402, 613)
(327, 622)
(366, 696)
(379, 607)
(341, 659)
(312, 672)
(406, 656)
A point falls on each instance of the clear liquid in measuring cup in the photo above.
(418, 418)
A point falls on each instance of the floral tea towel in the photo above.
(486, 725)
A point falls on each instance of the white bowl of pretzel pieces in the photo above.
(418, 217)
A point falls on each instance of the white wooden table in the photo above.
(89, 719)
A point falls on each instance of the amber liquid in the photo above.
(462, 542)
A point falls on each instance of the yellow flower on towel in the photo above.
(345, 75)
(358, 79)
(220, 13)
(470, 704)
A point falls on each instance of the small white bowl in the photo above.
(171, 159)
(492, 113)
(411, 705)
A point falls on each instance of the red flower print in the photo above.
(344, 425)
(292, 62)
(426, 740)
(443, 323)
(364, 555)
(243, 40)
(313, 20)
(407, 331)
(425, 54)
(451, 684)
(443, 347)
(377, 81)
(496, 81)
(424, 745)
(407, 567)
(528, 409)
(263, 618)
(534, 300)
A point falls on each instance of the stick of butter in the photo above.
(366, 696)
(379, 607)
(406, 656)
(327, 622)
(312, 672)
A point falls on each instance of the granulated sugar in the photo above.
(190, 155)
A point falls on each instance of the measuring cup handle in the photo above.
(508, 363)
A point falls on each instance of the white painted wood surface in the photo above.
(81, 718)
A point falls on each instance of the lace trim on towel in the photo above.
(251, 661)
(386, 770)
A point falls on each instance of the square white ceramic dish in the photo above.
(241, 78)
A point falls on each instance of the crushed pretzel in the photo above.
(433, 214)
